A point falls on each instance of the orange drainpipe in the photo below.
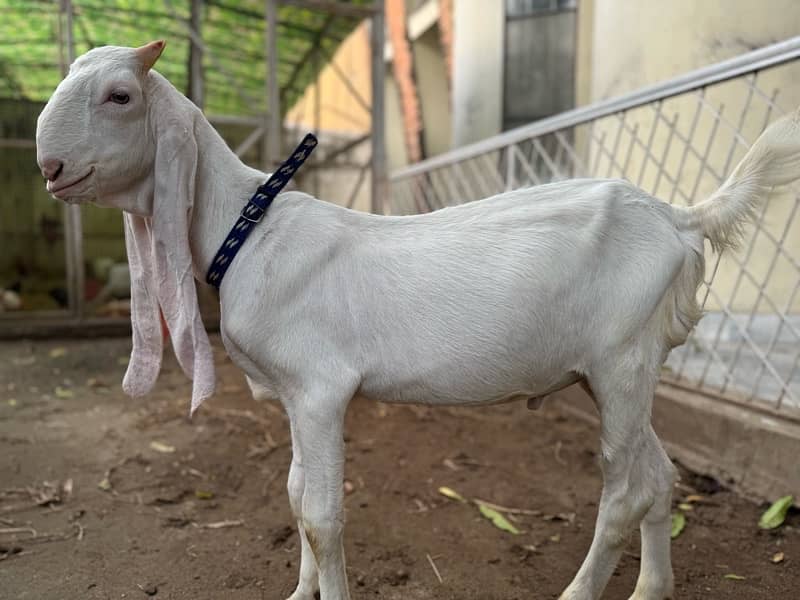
(403, 70)
(446, 37)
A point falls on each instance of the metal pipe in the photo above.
(235, 120)
(272, 141)
(249, 141)
(196, 56)
(73, 225)
(379, 201)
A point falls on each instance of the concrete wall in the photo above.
(636, 43)
(396, 155)
(665, 39)
(339, 112)
(340, 116)
(433, 90)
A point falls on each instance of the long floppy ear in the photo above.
(159, 254)
(145, 362)
(175, 173)
(161, 270)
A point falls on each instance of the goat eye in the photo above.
(119, 97)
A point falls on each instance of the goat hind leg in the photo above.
(655, 580)
(631, 472)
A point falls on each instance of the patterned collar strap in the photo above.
(255, 209)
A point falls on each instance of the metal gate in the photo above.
(677, 140)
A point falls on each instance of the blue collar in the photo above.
(255, 209)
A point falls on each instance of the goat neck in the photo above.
(223, 186)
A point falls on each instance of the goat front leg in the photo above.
(308, 581)
(318, 429)
(638, 479)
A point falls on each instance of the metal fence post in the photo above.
(196, 56)
(379, 202)
(73, 225)
(272, 139)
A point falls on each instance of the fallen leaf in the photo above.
(451, 465)
(778, 557)
(452, 494)
(203, 495)
(58, 352)
(685, 507)
(734, 576)
(678, 523)
(161, 447)
(774, 516)
(123, 360)
(695, 498)
(497, 519)
(105, 484)
(220, 524)
(555, 538)
(12, 401)
(64, 392)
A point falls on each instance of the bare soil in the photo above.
(203, 513)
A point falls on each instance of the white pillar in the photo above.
(478, 38)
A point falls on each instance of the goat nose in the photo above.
(51, 169)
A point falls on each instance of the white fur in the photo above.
(511, 297)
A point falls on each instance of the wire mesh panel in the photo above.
(677, 143)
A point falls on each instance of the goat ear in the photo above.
(167, 280)
(145, 362)
(149, 53)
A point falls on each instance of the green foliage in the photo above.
(678, 523)
(776, 514)
(497, 519)
(233, 31)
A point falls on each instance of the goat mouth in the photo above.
(62, 191)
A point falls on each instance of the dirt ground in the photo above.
(103, 496)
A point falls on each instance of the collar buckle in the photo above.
(250, 209)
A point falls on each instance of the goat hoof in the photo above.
(652, 595)
(299, 594)
(573, 593)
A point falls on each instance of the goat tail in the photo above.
(774, 159)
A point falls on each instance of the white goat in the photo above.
(512, 297)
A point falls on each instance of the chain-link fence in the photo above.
(678, 141)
